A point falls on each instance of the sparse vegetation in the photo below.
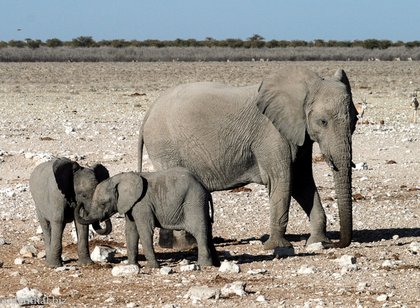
(86, 49)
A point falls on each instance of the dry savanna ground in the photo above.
(91, 112)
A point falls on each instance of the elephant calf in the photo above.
(172, 199)
(57, 186)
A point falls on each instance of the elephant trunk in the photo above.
(342, 180)
(102, 231)
(83, 219)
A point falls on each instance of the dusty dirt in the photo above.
(91, 112)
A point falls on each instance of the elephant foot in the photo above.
(54, 263)
(273, 243)
(205, 262)
(319, 238)
(84, 261)
(152, 264)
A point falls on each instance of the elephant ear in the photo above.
(130, 189)
(341, 76)
(282, 98)
(101, 173)
(63, 170)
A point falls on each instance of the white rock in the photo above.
(202, 293)
(235, 288)
(314, 247)
(261, 299)
(28, 251)
(306, 270)
(2, 241)
(257, 271)
(66, 268)
(284, 252)
(361, 286)
(102, 253)
(184, 262)
(28, 296)
(56, 291)
(165, 270)
(19, 261)
(361, 166)
(42, 254)
(189, 268)
(382, 298)
(346, 260)
(125, 270)
(229, 267)
(414, 247)
(39, 230)
(131, 305)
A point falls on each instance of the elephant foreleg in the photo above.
(279, 216)
(306, 194)
(132, 239)
(83, 244)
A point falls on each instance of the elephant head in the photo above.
(307, 108)
(78, 184)
(116, 194)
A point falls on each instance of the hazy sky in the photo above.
(170, 19)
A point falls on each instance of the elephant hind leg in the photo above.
(54, 257)
(46, 231)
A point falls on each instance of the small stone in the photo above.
(28, 251)
(2, 241)
(414, 247)
(280, 252)
(361, 166)
(184, 262)
(314, 247)
(382, 298)
(257, 271)
(261, 299)
(125, 270)
(306, 270)
(131, 305)
(23, 281)
(255, 243)
(395, 237)
(56, 291)
(41, 255)
(235, 288)
(65, 268)
(165, 270)
(202, 293)
(189, 268)
(27, 296)
(346, 260)
(361, 286)
(102, 254)
(39, 230)
(229, 267)
(19, 261)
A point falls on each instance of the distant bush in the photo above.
(147, 54)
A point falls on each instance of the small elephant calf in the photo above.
(56, 187)
(172, 199)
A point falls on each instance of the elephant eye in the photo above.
(322, 122)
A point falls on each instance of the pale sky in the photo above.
(220, 19)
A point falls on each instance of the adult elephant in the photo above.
(231, 136)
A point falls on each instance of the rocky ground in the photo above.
(91, 112)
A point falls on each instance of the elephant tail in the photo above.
(140, 150)
(211, 208)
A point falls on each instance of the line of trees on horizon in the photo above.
(255, 41)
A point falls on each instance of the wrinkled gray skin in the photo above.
(230, 136)
(56, 187)
(171, 199)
